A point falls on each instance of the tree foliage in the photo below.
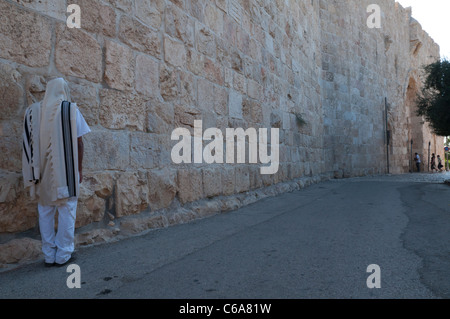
(434, 100)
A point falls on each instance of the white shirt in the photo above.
(418, 158)
(82, 127)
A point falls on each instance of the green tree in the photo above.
(434, 100)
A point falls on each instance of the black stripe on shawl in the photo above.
(68, 148)
(27, 135)
(25, 124)
(25, 151)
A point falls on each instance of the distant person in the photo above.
(433, 162)
(418, 162)
(52, 167)
(440, 166)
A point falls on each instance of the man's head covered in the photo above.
(56, 92)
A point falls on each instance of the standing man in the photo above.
(440, 166)
(417, 159)
(52, 167)
(433, 162)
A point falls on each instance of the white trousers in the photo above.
(58, 247)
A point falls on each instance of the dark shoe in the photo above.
(48, 265)
(70, 260)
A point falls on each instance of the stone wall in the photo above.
(362, 70)
(138, 69)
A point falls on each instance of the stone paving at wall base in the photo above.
(435, 178)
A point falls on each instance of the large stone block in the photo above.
(139, 36)
(95, 190)
(255, 177)
(12, 102)
(120, 110)
(195, 62)
(161, 117)
(168, 83)
(188, 88)
(255, 50)
(243, 41)
(101, 183)
(222, 4)
(242, 179)
(162, 188)
(206, 43)
(53, 8)
(149, 12)
(201, 65)
(86, 98)
(239, 83)
(145, 150)
(196, 9)
(11, 144)
(132, 195)
(213, 71)
(147, 75)
(124, 5)
(212, 98)
(174, 52)
(223, 51)
(20, 250)
(179, 25)
(212, 182)
(228, 180)
(190, 185)
(90, 208)
(25, 37)
(228, 77)
(96, 17)
(185, 116)
(119, 66)
(235, 104)
(165, 149)
(214, 18)
(78, 54)
(254, 89)
(221, 101)
(205, 95)
(17, 211)
(236, 61)
(252, 111)
(106, 150)
(35, 88)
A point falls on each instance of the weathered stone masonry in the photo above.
(139, 68)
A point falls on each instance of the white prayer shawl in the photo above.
(58, 148)
(30, 153)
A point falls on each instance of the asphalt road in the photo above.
(313, 243)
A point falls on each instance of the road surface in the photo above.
(314, 243)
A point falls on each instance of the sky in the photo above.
(433, 15)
